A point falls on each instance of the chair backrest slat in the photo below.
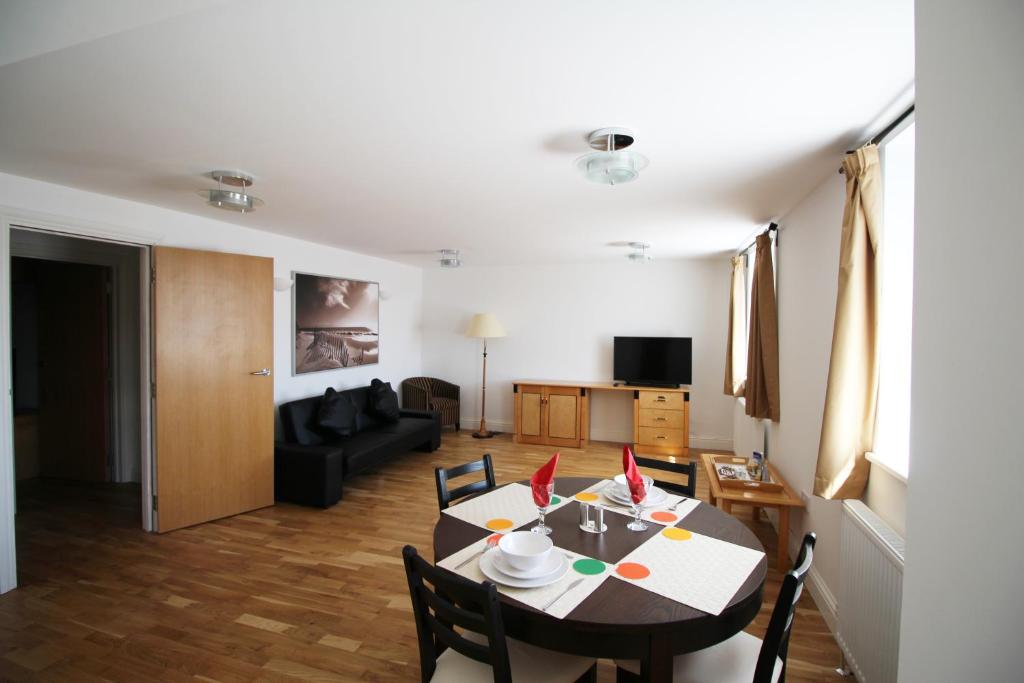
(689, 469)
(446, 497)
(776, 639)
(451, 600)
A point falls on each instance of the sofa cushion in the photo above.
(374, 447)
(336, 413)
(383, 401)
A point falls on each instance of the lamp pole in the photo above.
(482, 433)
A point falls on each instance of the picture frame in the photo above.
(335, 323)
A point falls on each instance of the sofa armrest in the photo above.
(308, 475)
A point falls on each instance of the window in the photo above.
(892, 422)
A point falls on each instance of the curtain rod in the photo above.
(887, 131)
(772, 227)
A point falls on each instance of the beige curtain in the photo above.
(762, 390)
(848, 425)
(735, 353)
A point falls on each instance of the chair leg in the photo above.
(590, 676)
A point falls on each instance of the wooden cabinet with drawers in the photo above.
(558, 414)
(661, 422)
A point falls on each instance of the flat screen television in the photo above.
(654, 361)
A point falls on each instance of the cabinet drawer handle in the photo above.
(661, 437)
(661, 399)
(661, 419)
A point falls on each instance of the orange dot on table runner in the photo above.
(632, 570)
(498, 524)
(662, 516)
(587, 497)
(677, 534)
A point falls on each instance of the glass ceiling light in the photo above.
(450, 258)
(228, 199)
(614, 164)
(639, 253)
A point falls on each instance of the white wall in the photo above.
(963, 606)
(561, 320)
(400, 333)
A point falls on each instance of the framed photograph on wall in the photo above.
(336, 322)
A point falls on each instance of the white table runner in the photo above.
(503, 509)
(690, 568)
(558, 599)
(659, 514)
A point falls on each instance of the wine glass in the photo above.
(638, 524)
(542, 493)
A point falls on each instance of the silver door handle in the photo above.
(265, 372)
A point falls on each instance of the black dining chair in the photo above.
(689, 469)
(446, 497)
(480, 651)
(744, 658)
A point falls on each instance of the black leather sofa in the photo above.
(311, 464)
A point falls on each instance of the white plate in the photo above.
(550, 566)
(655, 497)
(494, 574)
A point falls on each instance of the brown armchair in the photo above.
(430, 393)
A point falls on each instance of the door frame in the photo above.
(13, 217)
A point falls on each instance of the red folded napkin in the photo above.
(541, 480)
(637, 490)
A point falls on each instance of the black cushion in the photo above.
(383, 401)
(336, 413)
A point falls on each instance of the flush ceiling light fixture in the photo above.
(450, 258)
(639, 253)
(614, 164)
(228, 199)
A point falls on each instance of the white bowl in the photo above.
(623, 487)
(525, 550)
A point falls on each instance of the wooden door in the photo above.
(74, 365)
(531, 409)
(562, 416)
(214, 418)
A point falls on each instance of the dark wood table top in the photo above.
(619, 618)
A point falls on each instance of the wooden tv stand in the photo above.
(557, 413)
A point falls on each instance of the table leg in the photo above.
(727, 506)
(657, 666)
(783, 538)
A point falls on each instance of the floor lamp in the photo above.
(484, 326)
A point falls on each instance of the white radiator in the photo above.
(870, 594)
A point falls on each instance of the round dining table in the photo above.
(621, 620)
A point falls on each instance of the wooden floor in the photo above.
(283, 593)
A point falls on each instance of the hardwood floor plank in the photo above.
(284, 593)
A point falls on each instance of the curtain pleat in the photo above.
(848, 424)
(735, 353)
(762, 389)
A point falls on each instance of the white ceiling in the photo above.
(397, 128)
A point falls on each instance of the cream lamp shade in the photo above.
(485, 326)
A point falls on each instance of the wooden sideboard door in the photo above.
(531, 414)
(548, 415)
(562, 415)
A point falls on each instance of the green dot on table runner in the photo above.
(588, 566)
(555, 500)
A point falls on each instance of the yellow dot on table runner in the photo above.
(677, 534)
(586, 497)
(499, 523)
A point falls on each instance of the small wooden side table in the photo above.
(781, 500)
